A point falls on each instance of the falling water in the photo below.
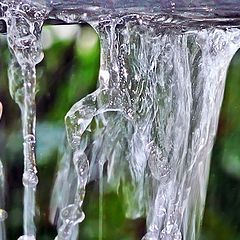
(23, 25)
(3, 213)
(151, 122)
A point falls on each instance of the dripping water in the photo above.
(24, 22)
(3, 213)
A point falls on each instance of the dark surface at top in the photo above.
(224, 8)
(200, 12)
(192, 12)
(189, 12)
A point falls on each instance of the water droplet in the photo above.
(76, 140)
(3, 215)
(30, 179)
(81, 163)
(26, 7)
(30, 138)
(72, 213)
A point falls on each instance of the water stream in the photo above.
(154, 117)
(23, 25)
(151, 122)
(3, 213)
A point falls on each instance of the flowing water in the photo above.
(3, 213)
(151, 122)
(23, 26)
(153, 119)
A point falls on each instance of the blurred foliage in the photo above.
(69, 72)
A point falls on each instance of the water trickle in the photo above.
(24, 22)
(1, 110)
(3, 213)
(72, 214)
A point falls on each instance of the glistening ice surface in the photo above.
(151, 123)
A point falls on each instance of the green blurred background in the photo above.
(69, 72)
